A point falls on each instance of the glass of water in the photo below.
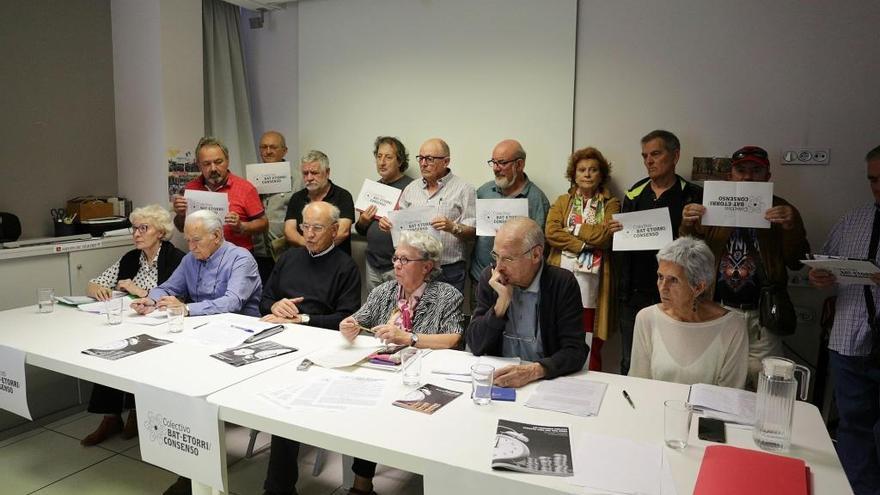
(482, 376)
(411, 360)
(677, 423)
(114, 310)
(175, 318)
(46, 300)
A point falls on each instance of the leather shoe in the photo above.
(131, 426)
(109, 426)
(183, 486)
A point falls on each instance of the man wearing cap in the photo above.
(748, 258)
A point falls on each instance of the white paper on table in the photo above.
(352, 391)
(269, 178)
(75, 300)
(492, 213)
(181, 434)
(206, 200)
(643, 230)
(569, 395)
(13, 384)
(667, 482)
(847, 272)
(244, 322)
(727, 404)
(98, 307)
(459, 363)
(382, 196)
(598, 462)
(344, 354)
(215, 333)
(737, 204)
(152, 319)
(415, 218)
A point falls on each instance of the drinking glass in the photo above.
(114, 308)
(677, 423)
(175, 318)
(46, 300)
(482, 376)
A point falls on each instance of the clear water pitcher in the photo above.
(777, 391)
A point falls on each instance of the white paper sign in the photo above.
(269, 178)
(181, 434)
(643, 230)
(206, 200)
(383, 196)
(13, 386)
(416, 218)
(737, 204)
(847, 272)
(492, 213)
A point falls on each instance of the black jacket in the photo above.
(169, 258)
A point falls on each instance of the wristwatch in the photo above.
(456, 229)
(304, 318)
(414, 339)
(186, 310)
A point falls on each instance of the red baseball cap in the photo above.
(754, 154)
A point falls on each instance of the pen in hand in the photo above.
(628, 399)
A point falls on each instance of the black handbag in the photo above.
(776, 311)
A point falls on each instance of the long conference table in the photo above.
(451, 448)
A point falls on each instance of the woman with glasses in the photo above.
(413, 309)
(688, 338)
(579, 236)
(149, 264)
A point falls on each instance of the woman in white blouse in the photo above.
(688, 338)
(150, 263)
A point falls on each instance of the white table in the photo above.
(452, 447)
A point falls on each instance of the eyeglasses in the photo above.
(501, 163)
(317, 228)
(142, 228)
(429, 159)
(497, 258)
(760, 153)
(403, 260)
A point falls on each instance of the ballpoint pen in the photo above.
(628, 399)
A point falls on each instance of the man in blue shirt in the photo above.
(508, 163)
(214, 277)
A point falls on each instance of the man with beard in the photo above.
(315, 168)
(246, 215)
(508, 163)
(749, 258)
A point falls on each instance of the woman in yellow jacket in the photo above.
(580, 240)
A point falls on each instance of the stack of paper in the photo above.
(569, 395)
(599, 461)
(727, 404)
(335, 392)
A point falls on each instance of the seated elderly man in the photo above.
(527, 309)
(319, 285)
(214, 277)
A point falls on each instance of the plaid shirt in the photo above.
(455, 199)
(851, 335)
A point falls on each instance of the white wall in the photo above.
(157, 59)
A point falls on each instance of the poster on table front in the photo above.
(13, 387)
(181, 434)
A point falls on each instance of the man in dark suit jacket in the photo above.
(527, 309)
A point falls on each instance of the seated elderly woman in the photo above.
(412, 309)
(139, 270)
(688, 338)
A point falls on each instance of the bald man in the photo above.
(455, 200)
(508, 164)
(527, 309)
(270, 244)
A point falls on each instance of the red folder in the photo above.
(734, 471)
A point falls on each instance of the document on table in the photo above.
(727, 404)
(459, 363)
(100, 307)
(206, 200)
(382, 196)
(335, 392)
(569, 395)
(643, 230)
(492, 213)
(416, 218)
(216, 333)
(846, 271)
(151, 319)
(75, 300)
(737, 204)
(599, 462)
(344, 354)
(269, 178)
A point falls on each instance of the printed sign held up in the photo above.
(737, 204)
(643, 230)
(382, 196)
(416, 218)
(492, 213)
(269, 178)
(206, 200)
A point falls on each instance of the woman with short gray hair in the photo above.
(414, 309)
(688, 338)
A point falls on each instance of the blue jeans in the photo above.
(857, 390)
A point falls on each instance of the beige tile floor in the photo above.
(49, 460)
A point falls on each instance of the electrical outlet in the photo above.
(806, 156)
